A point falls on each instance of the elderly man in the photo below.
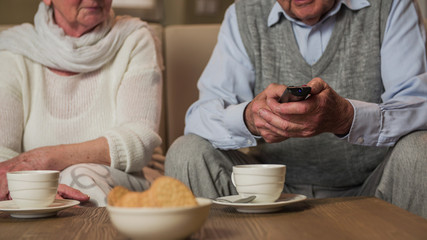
(358, 131)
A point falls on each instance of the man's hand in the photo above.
(323, 111)
(66, 192)
(258, 108)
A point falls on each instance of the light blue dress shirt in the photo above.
(226, 85)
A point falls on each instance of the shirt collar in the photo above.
(277, 11)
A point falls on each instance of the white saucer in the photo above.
(58, 205)
(285, 199)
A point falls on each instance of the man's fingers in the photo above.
(317, 85)
(269, 132)
(274, 90)
(277, 124)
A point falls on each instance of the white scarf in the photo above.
(47, 44)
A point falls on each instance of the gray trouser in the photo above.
(400, 179)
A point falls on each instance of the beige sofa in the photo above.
(186, 50)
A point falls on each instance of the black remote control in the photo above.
(295, 93)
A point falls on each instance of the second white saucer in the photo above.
(285, 199)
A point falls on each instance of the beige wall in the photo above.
(17, 11)
(185, 12)
(169, 12)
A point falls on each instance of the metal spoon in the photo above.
(240, 200)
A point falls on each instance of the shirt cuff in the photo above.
(366, 123)
(235, 124)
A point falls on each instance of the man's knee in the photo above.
(411, 149)
(409, 158)
(186, 150)
(403, 182)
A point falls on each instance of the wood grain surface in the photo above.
(340, 218)
(334, 218)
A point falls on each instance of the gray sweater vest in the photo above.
(350, 64)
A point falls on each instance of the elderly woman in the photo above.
(80, 92)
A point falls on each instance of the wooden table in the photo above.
(335, 218)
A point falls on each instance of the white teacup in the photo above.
(265, 181)
(33, 189)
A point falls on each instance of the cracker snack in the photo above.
(164, 192)
(115, 194)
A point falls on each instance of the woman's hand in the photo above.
(9, 166)
(56, 158)
(37, 159)
(51, 158)
(67, 192)
(4, 191)
(64, 191)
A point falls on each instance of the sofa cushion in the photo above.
(187, 51)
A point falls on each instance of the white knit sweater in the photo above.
(121, 102)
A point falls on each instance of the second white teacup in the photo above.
(33, 189)
(265, 181)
